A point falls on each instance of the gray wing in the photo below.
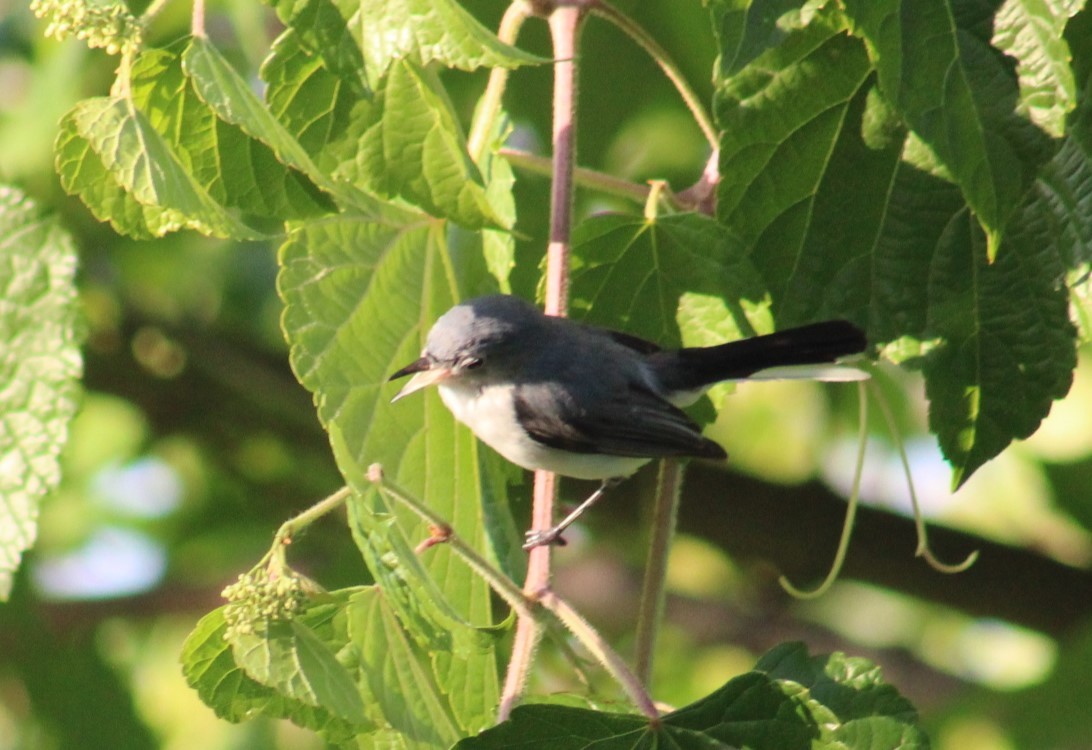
(635, 423)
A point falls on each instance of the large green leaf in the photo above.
(237, 171)
(316, 106)
(290, 658)
(40, 366)
(428, 31)
(846, 213)
(676, 280)
(210, 668)
(138, 158)
(360, 294)
(1006, 344)
(83, 173)
(787, 167)
(398, 678)
(232, 99)
(790, 702)
(413, 148)
(959, 96)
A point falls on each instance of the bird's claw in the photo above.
(535, 538)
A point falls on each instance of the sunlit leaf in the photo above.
(413, 148)
(143, 164)
(360, 293)
(237, 171)
(40, 366)
(432, 31)
(1031, 31)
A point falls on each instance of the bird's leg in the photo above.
(552, 535)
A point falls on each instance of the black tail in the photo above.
(813, 344)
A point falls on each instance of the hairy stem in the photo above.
(564, 22)
(665, 513)
(595, 643)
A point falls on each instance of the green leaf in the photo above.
(1006, 342)
(290, 658)
(398, 676)
(40, 367)
(1031, 31)
(677, 280)
(82, 173)
(413, 148)
(233, 101)
(325, 28)
(746, 30)
(144, 165)
(959, 96)
(790, 702)
(360, 294)
(786, 151)
(235, 170)
(210, 668)
(428, 31)
(314, 105)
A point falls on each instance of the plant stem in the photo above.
(665, 513)
(529, 608)
(595, 643)
(564, 22)
(667, 65)
(500, 583)
(197, 20)
(490, 105)
(583, 177)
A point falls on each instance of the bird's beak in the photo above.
(424, 375)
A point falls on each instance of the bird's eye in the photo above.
(471, 363)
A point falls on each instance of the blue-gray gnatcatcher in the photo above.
(585, 402)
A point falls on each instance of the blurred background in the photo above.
(195, 442)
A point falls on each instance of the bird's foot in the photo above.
(549, 536)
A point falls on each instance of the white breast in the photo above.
(490, 413)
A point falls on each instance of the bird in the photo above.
(587, 402)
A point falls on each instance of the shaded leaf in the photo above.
(789, 159)
(959, 96)
(790, 702)
(678, 280)
(40, 367)
(1007, 346)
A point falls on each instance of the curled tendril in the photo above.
(851, 508)
(923, 551)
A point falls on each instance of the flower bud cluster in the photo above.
(257, 598)
(101, 23)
